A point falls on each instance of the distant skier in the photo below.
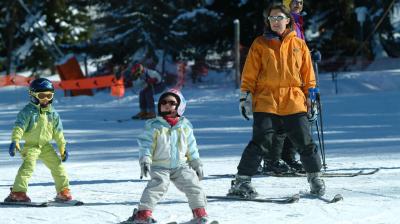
(37, 124)
(168, 152)
(151, 83)
(275, 81)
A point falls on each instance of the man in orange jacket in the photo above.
(281, 158)
(276, 77)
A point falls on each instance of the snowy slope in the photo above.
(361, 132)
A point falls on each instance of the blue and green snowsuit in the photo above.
(37, 127)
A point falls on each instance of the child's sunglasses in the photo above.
(170, 102)
(43, 95)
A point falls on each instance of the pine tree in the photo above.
(25, 34)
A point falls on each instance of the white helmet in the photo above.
(180, 108)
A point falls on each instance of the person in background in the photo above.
(151, 83)
(281, 158)
(37, 124)
(168, 152)
(296, 8)
(199, 69)
(276, 77)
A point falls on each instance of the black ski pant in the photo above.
(265, 128)
(282, 148)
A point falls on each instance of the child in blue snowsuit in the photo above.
(168, 152)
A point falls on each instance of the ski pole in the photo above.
(322, 129)
(314, 96)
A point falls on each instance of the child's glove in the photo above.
(63, 154)
(197, 166)
(245, 105)
(14, 146)
(145, 163)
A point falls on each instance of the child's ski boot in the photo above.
(17, 197)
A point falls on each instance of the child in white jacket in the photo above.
(168, 152)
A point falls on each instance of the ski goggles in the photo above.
(43, 95)
(276, 18)
(298, 2)
(170, 102)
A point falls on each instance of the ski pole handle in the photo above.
(311, 94)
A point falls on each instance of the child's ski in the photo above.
(212, 222)
(25, 204)
(65, 203)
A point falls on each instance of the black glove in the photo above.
(245, 105)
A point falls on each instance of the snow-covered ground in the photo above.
(362, 132)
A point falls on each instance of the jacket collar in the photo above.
(40, 109)
(271, 35)
(165, 123)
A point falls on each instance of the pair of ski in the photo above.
(173, 222)
(281, 200)
(55, 203)
(324, 174)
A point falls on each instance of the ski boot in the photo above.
(141, 217)
(295, 165)
(276, 167)
(138, 115)
(199, 216)
(317, 185)
(64, 195)
(17, 197)
(241, 187)
(148, 115)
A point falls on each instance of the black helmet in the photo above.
(41, 85)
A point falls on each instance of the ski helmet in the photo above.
(136, 71)
(180, 108)
(40, 85)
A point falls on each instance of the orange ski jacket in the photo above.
(278, 74)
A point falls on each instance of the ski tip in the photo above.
(79, 203)
(336, 198)
(294, 198)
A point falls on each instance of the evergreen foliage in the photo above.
(135, 30)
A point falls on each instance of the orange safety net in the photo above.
(69, 69)
(14, 80)
(117, 85)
